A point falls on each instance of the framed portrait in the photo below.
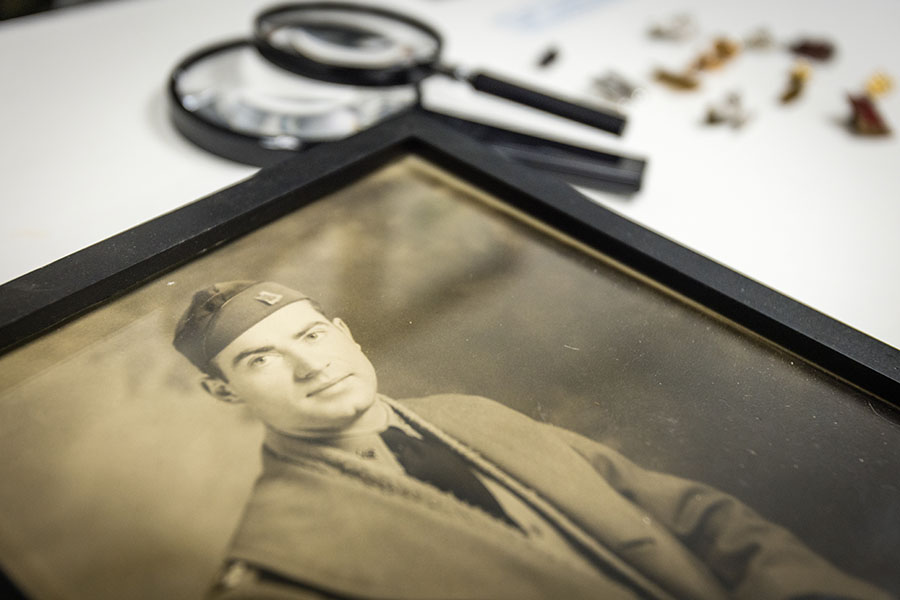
(459, 274)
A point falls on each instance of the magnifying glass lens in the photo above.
(235, 89)
(348, 37)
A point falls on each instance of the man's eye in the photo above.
(314, 335)
(259, 361)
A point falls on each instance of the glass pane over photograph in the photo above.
(125, 478)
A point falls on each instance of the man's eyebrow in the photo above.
(242, 355)
(306, 329)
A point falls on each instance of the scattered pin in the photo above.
(677, 81)
(723, 50)
(816, 49)
(676, 29)
(548, 57)
(798, 78)
(865, 118)
(730, 111)
(615, 88)
(879, 85)
(760, 39)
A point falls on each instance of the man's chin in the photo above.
(340, 420)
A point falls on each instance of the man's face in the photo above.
(300, 373)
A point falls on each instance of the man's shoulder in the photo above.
(457, 404)
(467, 417)
(445, 398)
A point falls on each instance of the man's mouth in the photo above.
(326, 385)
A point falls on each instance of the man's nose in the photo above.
(307, 364)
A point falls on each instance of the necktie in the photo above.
(432, 462)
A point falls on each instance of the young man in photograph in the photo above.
(454, 496)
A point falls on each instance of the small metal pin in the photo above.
(676, 28)
(816, 49)
(723, 50)
(797, 82)
(865, 118)
(730, 111)
(677, 81)
(878, 85)
(548, 57)
(760, 39)
(613, 87)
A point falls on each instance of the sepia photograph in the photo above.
(408, 388)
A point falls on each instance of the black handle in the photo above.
(607, 121)
(575, 164)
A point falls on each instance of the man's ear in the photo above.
(339, 323)
(218, 389)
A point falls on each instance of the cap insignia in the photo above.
(269, 298)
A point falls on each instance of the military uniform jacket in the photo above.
(333, 525)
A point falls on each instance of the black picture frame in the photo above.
(60, 291)
(64, 291)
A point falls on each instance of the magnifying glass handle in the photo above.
(607, 121)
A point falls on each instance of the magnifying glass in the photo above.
(373, 47)
(231, 101)
(226, 99)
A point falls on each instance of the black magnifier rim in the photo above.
(244, 148)
(361, 76)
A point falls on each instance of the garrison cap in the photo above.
(222, 312)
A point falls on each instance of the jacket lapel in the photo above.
(337, 524)
(579, 500)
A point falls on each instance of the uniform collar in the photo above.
(364, 443)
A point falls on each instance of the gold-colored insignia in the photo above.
(269, 298)
(236, 574)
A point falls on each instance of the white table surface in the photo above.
(792, 199)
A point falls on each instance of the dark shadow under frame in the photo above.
(59, 292)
